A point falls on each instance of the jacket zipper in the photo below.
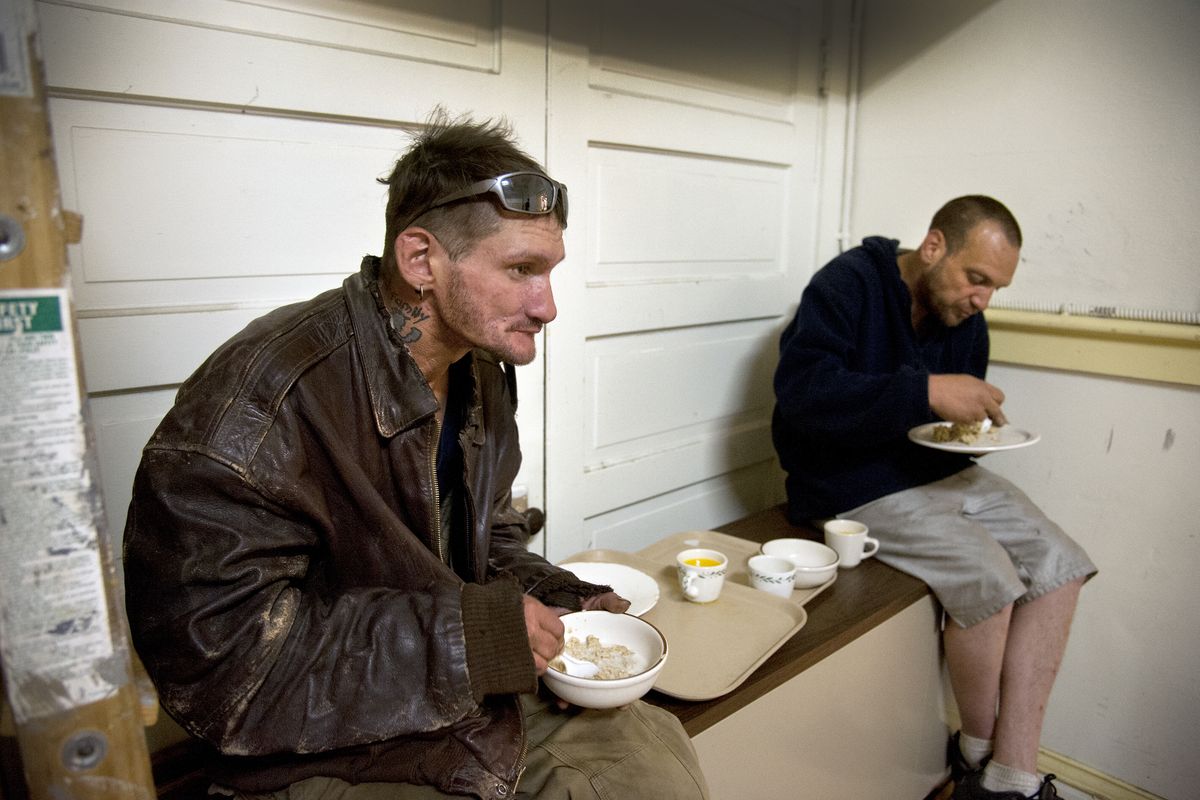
(524, 753)
(436, 530)
(511, 789)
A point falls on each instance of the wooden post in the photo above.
(64, 642)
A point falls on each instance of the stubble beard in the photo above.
(949, 315)
(468, 322)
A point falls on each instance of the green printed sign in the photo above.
(38, 314)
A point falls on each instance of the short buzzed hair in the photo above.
(958, 217)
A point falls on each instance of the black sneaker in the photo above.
(959, 768)
(971, 788)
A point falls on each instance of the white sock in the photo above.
(973, 750)
(1001, 778)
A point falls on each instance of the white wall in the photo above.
(1083, 117)
(1117, 467)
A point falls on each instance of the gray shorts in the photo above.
(976, 540)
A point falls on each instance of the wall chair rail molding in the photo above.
(1102, 345)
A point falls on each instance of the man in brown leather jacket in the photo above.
(325, 576)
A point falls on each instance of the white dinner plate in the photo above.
(994, 440)
(634, 585)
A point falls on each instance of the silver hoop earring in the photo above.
(421, 291)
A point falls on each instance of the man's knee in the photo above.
(637, 751)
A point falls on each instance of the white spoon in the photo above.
(577, 667)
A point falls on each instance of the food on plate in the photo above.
(967, 433)
(614, 660)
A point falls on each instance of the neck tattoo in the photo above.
(406, 320)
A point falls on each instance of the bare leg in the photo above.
(1037, 639)
(975, 657)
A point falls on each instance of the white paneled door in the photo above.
(688, 132)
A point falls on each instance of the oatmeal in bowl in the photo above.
(629, 652)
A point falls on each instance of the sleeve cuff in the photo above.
(563, 590)
(498, 656)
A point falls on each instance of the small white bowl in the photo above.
(649, 647)
(816, 563)
(772, 574)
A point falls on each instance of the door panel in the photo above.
(657, 213)
(194, 207)
(686, 508)
(699, 155)
(359, 60)
(740, 58)
(671, 408)
(123, 423)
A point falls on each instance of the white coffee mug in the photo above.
(772, 574)
(850, 540)
(701, 573)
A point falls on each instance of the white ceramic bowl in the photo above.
(816, 563)
(649, 647)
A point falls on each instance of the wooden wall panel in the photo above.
(122, 424)
(684, 508)
(450, 32)
(191, 207)
(681, 380)
(670, 216)
(359, 60)
(672, 408)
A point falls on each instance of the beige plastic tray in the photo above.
(712, 647)
(737, 550)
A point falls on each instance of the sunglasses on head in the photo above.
(522, 192)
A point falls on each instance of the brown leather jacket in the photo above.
(286, 573)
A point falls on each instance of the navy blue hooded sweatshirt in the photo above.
(853, 378)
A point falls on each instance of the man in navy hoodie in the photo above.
(885, 340)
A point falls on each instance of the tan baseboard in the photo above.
(1088, 780)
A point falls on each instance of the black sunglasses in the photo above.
(522, 192)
